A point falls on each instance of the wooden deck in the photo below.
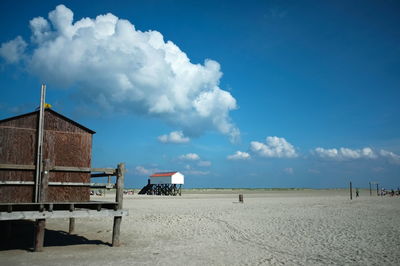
(42, 210)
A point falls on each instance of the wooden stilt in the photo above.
(40, 227)
(116, 231)
(71, 226)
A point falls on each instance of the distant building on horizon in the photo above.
(164, 183)
(174, 178)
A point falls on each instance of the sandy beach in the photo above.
(304, 227)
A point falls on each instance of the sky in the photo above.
(256, 94)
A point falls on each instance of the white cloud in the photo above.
(345, 153)
(174, 137)
(274, 147)
(142, 171)
(190, 157)
(326, 153)
(239, 155)
(393, 157)
(13, 51)
(204, 163)
(118, 67)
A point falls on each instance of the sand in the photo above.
(309, 227)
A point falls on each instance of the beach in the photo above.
(210, 227)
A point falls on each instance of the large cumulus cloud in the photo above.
(120, 67)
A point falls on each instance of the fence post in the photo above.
(118, 198)
(351, 191)
(241, 198)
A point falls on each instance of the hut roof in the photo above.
(53, 112)
(163, 174)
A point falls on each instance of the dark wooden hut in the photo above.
(66, 143)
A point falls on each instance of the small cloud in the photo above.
(289, 170)
(190, 157)
(274, 147)
(204, 163)
(140, 170)
(239, 155)
(345, 153)
(174, 137)
(393, 157)
(13, 51)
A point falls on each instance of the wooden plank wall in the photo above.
(64, 144)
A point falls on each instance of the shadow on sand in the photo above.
(21, 237)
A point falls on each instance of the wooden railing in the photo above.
(44, 209)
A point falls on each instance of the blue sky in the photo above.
(232, 94)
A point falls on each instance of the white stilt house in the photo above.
(166, 183)
(174, 178)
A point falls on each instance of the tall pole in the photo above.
(377, 189)
(39, 149)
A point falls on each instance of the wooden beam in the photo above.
(16, 183)
(71, 169)
(77, 184)
(107, 171)
(103, 171)
(16, 167)
(24, 215)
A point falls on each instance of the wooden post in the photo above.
(370, 189)
(351, 192)
(120, 184)
(116, 231)
(71, 226)
(40, 224)
(241, 198)
(40, 227)
(119, 199)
